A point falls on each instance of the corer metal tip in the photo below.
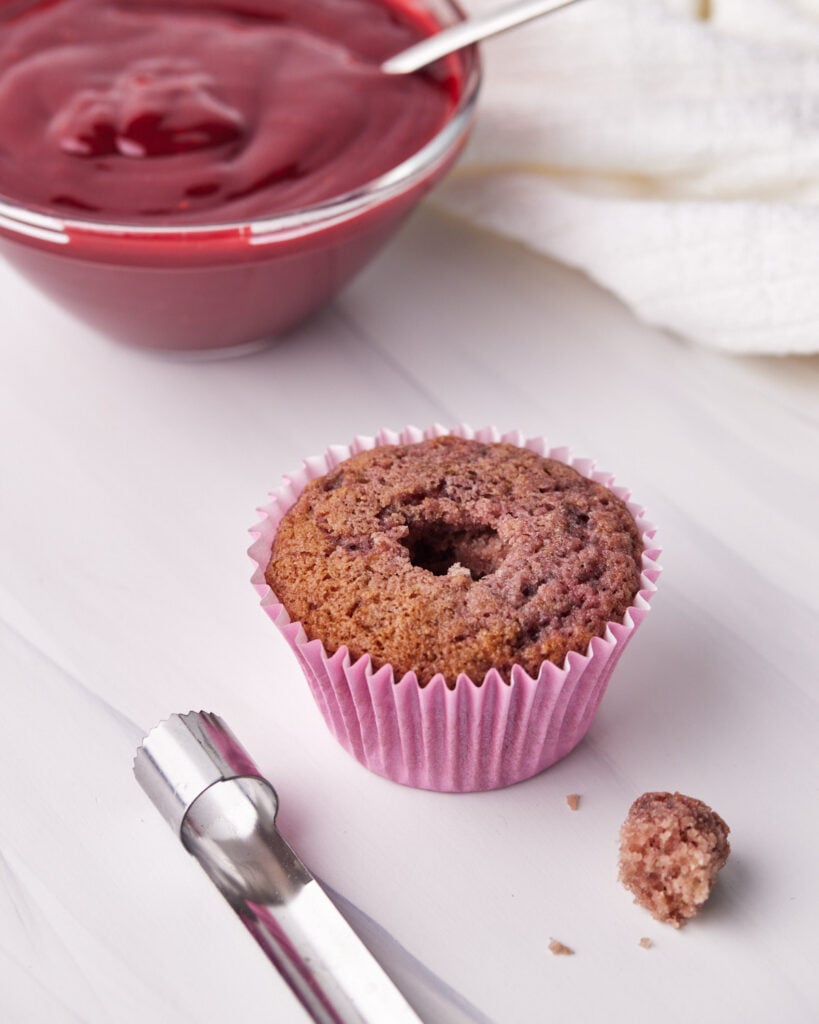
(223, 810)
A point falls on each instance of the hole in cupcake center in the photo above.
(441, 548)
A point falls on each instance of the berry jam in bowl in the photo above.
(201, 175)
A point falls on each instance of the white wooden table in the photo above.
(128, 482)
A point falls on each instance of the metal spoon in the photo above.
(465, 33)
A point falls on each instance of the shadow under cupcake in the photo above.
(457, 599)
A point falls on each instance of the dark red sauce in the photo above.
(197, 111)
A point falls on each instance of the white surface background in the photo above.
(128, 483)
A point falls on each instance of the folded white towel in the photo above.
(669, 148)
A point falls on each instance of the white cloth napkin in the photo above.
(670, 149)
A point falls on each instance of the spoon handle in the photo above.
(464, 33)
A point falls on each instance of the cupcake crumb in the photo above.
(559, 949)
(671, 848)
(573, 801)
(646, 943)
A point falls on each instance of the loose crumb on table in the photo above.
(671, 848)
(573, 801)
(559, 949)
(646, 943)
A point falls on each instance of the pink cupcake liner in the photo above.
(479, 735)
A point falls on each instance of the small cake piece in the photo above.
(573, 801)
(559, 949)
(645, 942)
(671, 848)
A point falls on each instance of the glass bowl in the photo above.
(230, 286)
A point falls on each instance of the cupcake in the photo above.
(457, 600)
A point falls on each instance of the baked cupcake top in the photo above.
(454, 556)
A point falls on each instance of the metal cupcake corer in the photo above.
(215, 799)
